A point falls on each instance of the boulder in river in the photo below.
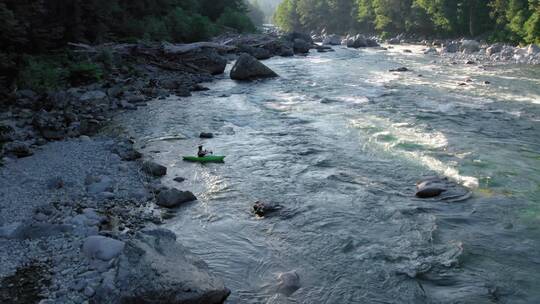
(400, 69)
(249, 68)
(171, 198)
(263, 208)
(331, 40)
(154, 169)
(288, 282)
(442, 189)
(18, 149)
(533, 49)
(206, 135)
(300, 46)
(154, 268)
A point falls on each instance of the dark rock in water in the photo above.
(401, 69)
(262, 208)
(470, 62)
(324, 49)
(249, 68)
(288, 282)
(154, 268)
(407, 51)
(487, 82)
(297, 35)
(18, 149)
(301, 46)
(179, 179)
(430, 187)
(357, 41)
(206, 135)
(451, 48)
(198, 88)
(442, 189)
(154, 169)
(171, 198)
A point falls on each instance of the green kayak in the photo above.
(206, 159)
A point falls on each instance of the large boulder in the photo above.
(296, 35)
(357, 41)
(207, 59)
(300, 46)
(18, 149)
(102, 247)
(171, 198)
(331, 40)
(470, 46)
(249, 68)
(154, 268)
(154, 169)
(494, 49)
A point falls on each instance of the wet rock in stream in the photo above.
(442, 189)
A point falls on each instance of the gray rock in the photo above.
(93, 95)
(442, 189)
(494, 49)
(102, 248)
(357, 41)
(264, 208)
(288, 282)
(301, 46)
(179, 179)
(332, 40)
(89, 291)
(430, 50)
(451, 47)
(394, 40)
(154, 268)
(470, 46)
(249, 68)
(257, 52)
(18, 149)
(171, 198)
(154, 169)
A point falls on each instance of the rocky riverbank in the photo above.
(80, 208)
(462, 49)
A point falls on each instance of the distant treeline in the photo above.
(41, 24)
(501, 20)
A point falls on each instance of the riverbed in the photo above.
(339, 142)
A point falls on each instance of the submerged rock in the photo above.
(442, 189)
(400, 69)
(262, 208)
(249, 68)
(206, 135)
(288, 282)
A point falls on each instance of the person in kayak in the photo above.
(202, 153)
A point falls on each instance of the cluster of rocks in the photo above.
(473, 50)
(100, 246)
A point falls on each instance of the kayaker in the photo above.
(202, 153)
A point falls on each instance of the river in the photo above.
(340, 142)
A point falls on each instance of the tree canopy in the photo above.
(507, 20)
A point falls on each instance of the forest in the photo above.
(494, 20)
